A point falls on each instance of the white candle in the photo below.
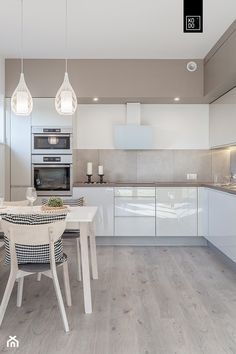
(89, 168)
(100, 170)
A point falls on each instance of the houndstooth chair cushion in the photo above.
(34, 254)
(68, 201)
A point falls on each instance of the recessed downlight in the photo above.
(176, 99)
(95, 99)
(192, 66)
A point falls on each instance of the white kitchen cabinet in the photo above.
(18, 193)
(20, 142)
(2, 170)
(176, 211)
(222, 222)
(134, 191)
(103, 198)
(131, 206)
(222, 120)
(134, 211)
(203, 208)
(44, 114)
(134, 226)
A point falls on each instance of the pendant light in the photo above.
(21, 100)
(65, 100)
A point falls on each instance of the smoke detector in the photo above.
(192, 66)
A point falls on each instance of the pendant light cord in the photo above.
(22, 14)
(66, 35)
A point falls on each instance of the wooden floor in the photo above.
(148, 300)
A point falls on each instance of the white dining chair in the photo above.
(9, 204)
(72, 233)
(35, 235)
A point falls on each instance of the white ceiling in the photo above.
(110, 28)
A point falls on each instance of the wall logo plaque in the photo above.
(193, 16)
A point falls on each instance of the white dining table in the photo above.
(84, 216)
(77, 217)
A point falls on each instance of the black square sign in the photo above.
(193, 16)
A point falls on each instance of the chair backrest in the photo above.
(32, 234)
(17, 203)
(37, 236)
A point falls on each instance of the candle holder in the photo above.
(89, 179)
(101, 179)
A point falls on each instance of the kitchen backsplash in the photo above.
(153, 165)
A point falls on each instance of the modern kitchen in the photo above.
(117, 178)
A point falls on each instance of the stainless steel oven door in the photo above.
(54, 179)
(51, 144)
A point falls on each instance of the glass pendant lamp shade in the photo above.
(66, 101)
(21, 100)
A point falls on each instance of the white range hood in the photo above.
(133, 135)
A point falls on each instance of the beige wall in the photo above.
(111, 80)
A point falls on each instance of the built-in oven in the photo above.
(51, 140)
(52, 174)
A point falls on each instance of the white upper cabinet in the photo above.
(176, 211)
(173, 126)
(223, 120)
(20, 141)
(44, 114)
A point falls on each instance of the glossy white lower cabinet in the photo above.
(222, 222)
(203, 207)
(134, 191)
(135, 211)
(131, 206)
(143, 211)
(176, 211)
(134, 226)
(103, 197)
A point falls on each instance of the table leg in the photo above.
(85, 267)
(93, 252)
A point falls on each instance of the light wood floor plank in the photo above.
(148, 300)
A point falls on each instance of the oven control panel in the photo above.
(51, 159)
(51, 130)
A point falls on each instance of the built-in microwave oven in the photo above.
(51, 140)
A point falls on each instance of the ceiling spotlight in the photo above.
(192, 66)
(95, 99)
(176, 99)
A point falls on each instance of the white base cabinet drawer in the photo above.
(135, 206)
(134, 192)
(134, 226)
